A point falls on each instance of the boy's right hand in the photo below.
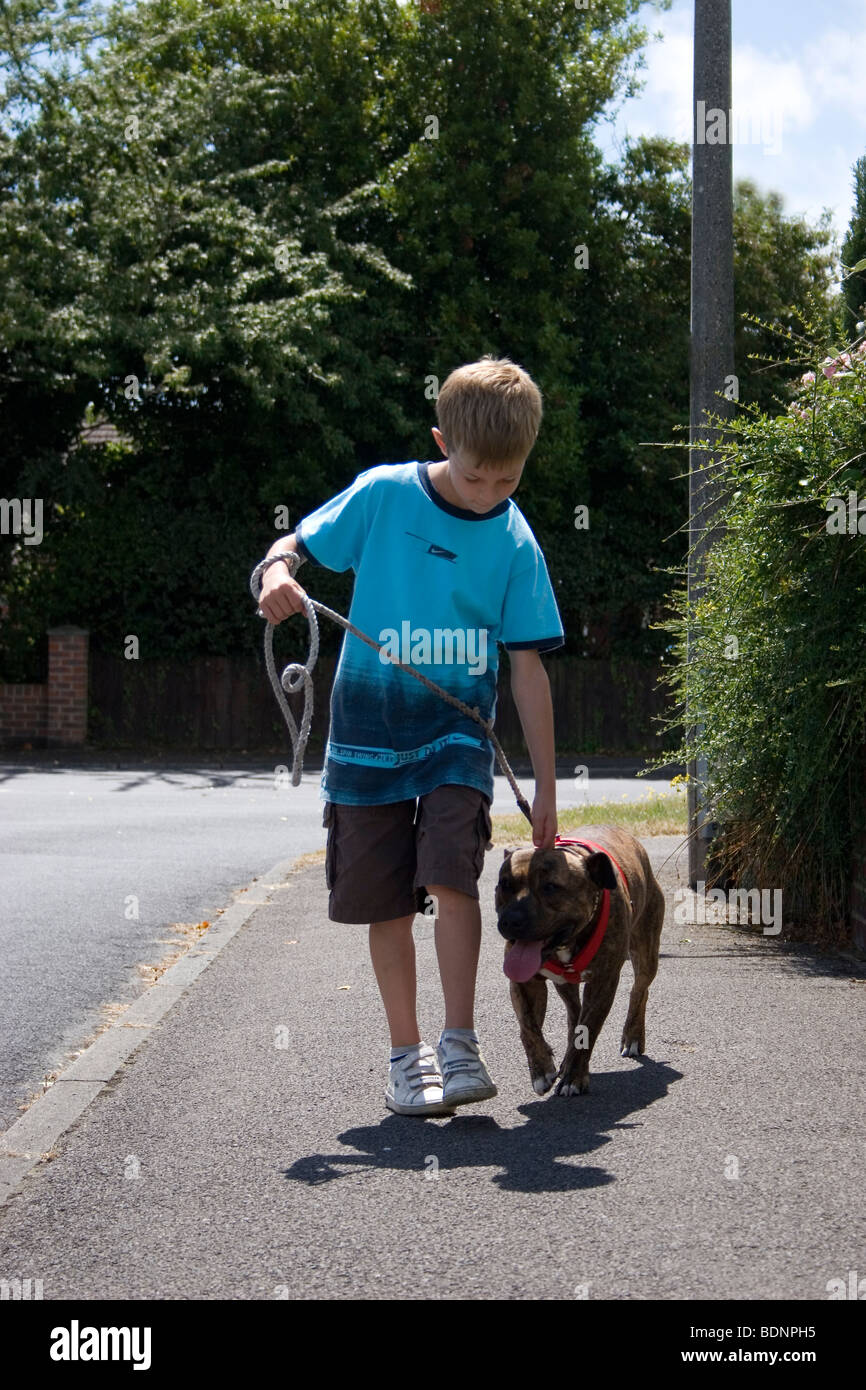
(281, 595)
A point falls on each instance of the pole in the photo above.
(712, 333)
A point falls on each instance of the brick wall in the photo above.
(54, 714)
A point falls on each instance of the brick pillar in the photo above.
(67, 684)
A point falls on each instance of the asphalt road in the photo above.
(85, 845)
(244, 1152)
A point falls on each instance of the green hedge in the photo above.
(778, 674)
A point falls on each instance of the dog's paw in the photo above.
(571, 1088)
(542, 1084)
(632, 1049)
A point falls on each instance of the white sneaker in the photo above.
(465, 1074)
(415, 1084)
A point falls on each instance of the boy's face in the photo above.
(477, 489)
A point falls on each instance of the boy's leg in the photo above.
(465, 1078)
(453, 832)
(458, 944)
(392, 951)
(369, 867)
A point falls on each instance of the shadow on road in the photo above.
(529, 1158)
(780, 957)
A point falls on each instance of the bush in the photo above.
(777, 674)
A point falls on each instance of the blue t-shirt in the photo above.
(441, 586)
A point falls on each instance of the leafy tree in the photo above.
(854, 251)
(784, 271)
(637, 373)
(252, 234)
(182, 238)
(503, 217)
(190, 145)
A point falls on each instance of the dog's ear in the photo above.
(507, 853)
(600, 870)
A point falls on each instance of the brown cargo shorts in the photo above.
(379, 859)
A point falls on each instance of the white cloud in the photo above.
(835, 65)
(799, 117)
(665, 105)
(771, 98)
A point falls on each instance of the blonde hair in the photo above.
(490, 409)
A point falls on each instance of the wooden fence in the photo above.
(226, 703)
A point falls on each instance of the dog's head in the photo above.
(545, 898)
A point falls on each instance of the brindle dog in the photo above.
(547, 902)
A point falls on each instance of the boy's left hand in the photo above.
(544, 823)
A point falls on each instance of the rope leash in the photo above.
(298, 674)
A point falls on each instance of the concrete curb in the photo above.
(26, 1143)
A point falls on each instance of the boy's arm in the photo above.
(280, 546)
(530, 688)
(281, 595)
(338, 529)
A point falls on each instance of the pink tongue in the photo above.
(523, 961)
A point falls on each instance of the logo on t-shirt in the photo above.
(434, 549)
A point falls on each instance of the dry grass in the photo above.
(654, 814)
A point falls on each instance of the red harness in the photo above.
(572, 973)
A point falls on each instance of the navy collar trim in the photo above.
(462, 512)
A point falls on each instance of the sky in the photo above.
(799, 97)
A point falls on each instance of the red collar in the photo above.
(572, 973)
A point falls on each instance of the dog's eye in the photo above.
(550, 888)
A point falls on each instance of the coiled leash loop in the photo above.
(298, 674)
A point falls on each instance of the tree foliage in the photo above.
(255, 235)
(854, 252)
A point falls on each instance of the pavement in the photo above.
(108, 861)
(227, 1138)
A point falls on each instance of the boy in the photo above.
(433, 546)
